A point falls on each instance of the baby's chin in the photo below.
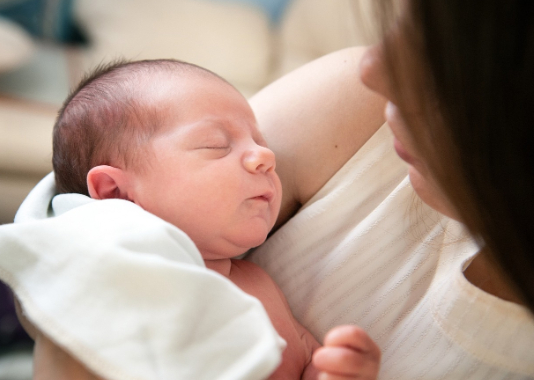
(251, 243)
(233, 247)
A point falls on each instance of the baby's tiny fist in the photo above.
(348, 352)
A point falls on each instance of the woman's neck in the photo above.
(483, 273)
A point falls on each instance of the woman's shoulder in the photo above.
(314, 119)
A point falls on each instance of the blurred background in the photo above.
(47, 45)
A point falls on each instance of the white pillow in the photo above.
(16, 45)
(233, 40)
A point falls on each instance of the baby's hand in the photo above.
(348, 353)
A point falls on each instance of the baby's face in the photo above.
(209, 171)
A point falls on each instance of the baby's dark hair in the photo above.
(106, 116)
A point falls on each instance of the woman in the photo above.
(411, 295)
(471, 93)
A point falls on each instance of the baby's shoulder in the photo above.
(251, 278)
(246, 269)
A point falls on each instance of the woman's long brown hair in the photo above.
(469, 67)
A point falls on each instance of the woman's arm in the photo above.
(314, 119)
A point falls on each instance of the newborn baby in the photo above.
(183, 144)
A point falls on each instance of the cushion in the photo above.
(16, 46)
(232, 39)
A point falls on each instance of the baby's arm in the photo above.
(348, 353)
(49, 360)
(53, 363)
(310, 372)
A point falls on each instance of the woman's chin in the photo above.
(429, 192)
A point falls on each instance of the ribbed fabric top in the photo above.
(365, 250)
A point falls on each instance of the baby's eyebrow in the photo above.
(214, 124)
(232, 129)
(209, 128)
(228, 128)
(203, 125)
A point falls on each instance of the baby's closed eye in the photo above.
(215, 146)
(214, 150)
(213, 140)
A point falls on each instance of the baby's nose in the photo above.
(259, 160)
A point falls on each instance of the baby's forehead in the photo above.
(193, 95)
(180, 77)
(161, 89)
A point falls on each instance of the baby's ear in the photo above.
(107, 182)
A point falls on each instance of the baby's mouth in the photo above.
(266, 197)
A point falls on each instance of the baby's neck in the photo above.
(221, 266)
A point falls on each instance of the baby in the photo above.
(183, 144)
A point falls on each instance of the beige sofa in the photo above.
(234, 39)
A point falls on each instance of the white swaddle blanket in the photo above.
(129, 295)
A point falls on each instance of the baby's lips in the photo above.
(266, 196)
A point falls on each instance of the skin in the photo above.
(207, 170)
(374, 75)
(315, 119)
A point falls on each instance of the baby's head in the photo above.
(178, 141)
(110, 117)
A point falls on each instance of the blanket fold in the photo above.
(128, 294)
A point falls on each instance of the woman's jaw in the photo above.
(422, 180)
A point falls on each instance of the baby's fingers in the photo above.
(353, 337)
(344, 363)
(348, 353)
(329, 376)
